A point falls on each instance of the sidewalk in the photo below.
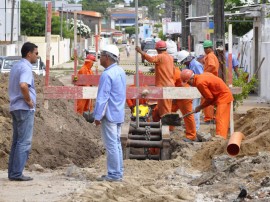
(253, 101)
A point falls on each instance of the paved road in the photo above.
(64, 71)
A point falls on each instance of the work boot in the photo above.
(189, 140)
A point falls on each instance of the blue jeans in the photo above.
(23, 123)
(111, 133)
(196, 102)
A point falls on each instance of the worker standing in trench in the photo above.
(86, 104)
(164, 74)
(215, 92)
(211, 65)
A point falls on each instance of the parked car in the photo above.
(7, 62)
(151, 52)
(149, 45)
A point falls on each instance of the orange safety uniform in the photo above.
(85, 104)
(211, 65)
(215, 90)
(164, 71)
(185, 106)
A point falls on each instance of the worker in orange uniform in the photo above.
(86, 104)
(215, 92)
(185, 106)
(164, 71)
(211, 65)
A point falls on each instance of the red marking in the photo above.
(76, 92)
(145, 80)
(86, 80)
(63, 92)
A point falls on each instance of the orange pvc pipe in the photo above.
(234, 143)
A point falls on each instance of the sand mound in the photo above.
(60, 135)
(255, 125)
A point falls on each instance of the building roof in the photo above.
(123, 15)
(89, 13)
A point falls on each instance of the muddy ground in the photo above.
(67, 155)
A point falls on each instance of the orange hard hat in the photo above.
(161, 45)
(186, 75)
(90, 57)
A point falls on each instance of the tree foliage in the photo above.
(130, 30)
(96, 5)
(239, 28)
(152, 6)
(33, 19)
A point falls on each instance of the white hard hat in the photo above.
(113, 49)
(182, 55)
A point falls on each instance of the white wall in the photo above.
(5, 20)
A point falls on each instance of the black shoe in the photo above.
(106, 178)
(22, 178)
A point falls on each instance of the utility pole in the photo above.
(219, 28)
(168, 8)
(219, 31)
(185, 24)
(12, 21)
(61, 28)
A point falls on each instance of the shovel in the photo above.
(173, 119)
(88, 115)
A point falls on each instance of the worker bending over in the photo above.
(215, 92)
(185, 106)
(86, 104)
(164, 71)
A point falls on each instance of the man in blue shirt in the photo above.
(109, 111)
(191, 63)
(235, 62)
(22, 95)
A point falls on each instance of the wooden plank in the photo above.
(150, 92)
(181, 92)
(86, 80)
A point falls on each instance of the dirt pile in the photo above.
(60, 135)
(255, 125)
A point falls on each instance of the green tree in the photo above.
(240, 27)
(117, 1)
(130, 30)
(96, 5)
(33, 18)
(152, 6)
(56, 28)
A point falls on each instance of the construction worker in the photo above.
(110, 111)
(215, 92)
(86, 104)
(235, 62)
(185, 106)
(211, 65)
(164, 73)
(191, 63)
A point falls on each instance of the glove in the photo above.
(197, 109)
